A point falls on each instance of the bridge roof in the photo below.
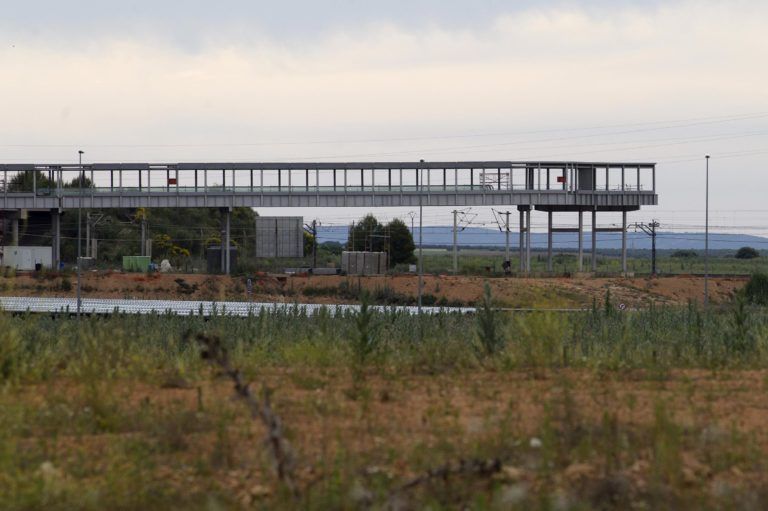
(329, 165)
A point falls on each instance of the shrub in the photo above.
(363, 343)
(66, 284)
(685, 254)
(756, 290)
(747, 253)
(491, 341)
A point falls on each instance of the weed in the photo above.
(491, 341)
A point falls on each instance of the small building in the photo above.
(27, 258)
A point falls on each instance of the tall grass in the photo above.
(35, 348)
(121, 412)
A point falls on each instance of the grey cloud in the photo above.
(190, 23)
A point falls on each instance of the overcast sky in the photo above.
(433, 79)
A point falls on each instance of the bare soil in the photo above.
(391, 420)
(510, 292)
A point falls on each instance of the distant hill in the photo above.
(441, 236)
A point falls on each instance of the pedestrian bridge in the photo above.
(574, 185)
(552, 187)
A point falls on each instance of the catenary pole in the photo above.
(421, 230)
(79, 232)
(455, 243)
(506, 238)
(706, 234)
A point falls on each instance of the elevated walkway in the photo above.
(340, 184)
(554, 186)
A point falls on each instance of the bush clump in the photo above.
(756, 290)
(747, 253)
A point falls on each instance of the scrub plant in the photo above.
(488, 331)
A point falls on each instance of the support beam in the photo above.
(455, 244)
(88, 234)
(15, 231)
(624, 242)
(506, 239)
(227, 240)
(594, 240)
(143, 237)
(522, 241)
(549, 241)
(56, 229)
(528, 240)
(581, 241)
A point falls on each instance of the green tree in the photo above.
(23, 181)
(309, 242)
(401, 246)
(685, 254)
(367, 234)
(747, 253)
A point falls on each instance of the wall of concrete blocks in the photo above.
(364, 263)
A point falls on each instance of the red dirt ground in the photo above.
(510, 292)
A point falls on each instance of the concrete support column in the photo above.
(581, 241)
(528, 240)
(143, 237)
(14, 231)
(225, 240)
(228, 241)
(56, 232)
(549, 241)
(624, 242)
(594, 240)
(522, 241)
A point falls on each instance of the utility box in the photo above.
(136, 263)
(213, 258)
(27, 258)
(364, 263)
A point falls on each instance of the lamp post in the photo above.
(79, 229)
(706, 234)
(421, 225)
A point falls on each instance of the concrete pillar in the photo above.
(227, 261)
(56, 232)
(143, 248)
(88, 235)
(581, 241)
(549, 241)
(14, 231)
(522, 241)
(594, 240)
(624, 242)
(528, 240)
(223, 235)
(225, 240)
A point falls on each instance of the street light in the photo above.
(79, 229)
(420, 180)
(706, 235)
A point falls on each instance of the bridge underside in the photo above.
(559, 200)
